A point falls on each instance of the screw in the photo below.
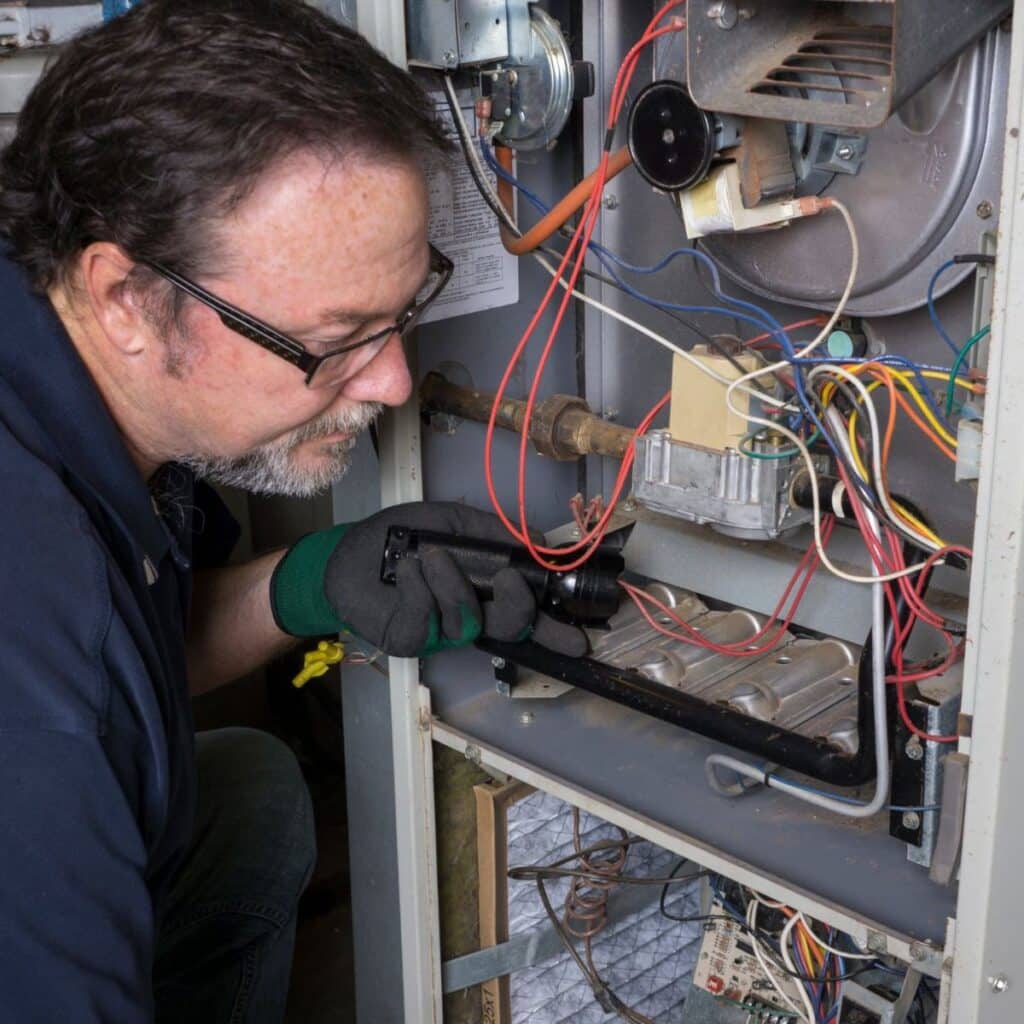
(508, 111)
(724, 13)
(984, 209)
(450, 59)
(877, 942)
(575, 531)
(914, 750)
(911, 820)
(610, 201)
(845, 151)
(525, 717)
(498, 663)
(629, 505)
(999, 983)
(919, 951)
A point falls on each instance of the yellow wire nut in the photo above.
(316, 663)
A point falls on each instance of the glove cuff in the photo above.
(297, 598)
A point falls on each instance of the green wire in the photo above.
(782, 453)
(958, 362)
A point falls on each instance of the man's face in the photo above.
(327, 253)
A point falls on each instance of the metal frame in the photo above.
(986, 967)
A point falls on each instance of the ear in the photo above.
(104, 269)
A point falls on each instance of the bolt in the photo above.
(914, 750)
(513, 77)
(522, 116)
(629, 505)
(845, 151)
(911, 820)
(984, 209)
(498, 663)
(525, 717)
(919, 951)
(575, 531)
(724, 13)
(610, 201)
(999, 983)
(877, 942)
(450, 59)
(508, 111)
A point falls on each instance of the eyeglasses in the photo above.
(332, 367)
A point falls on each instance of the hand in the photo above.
(331, 581)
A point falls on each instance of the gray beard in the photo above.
(271, 468)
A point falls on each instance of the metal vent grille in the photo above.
(838, 65)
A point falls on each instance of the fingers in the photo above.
(513, 615)
(509, 616)
(414, 622)
(559, 636)
(461, 617)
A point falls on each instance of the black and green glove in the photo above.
(330, 581)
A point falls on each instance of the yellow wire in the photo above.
(904, 513)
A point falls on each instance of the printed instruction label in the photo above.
(463, 227)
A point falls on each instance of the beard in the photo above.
(275, 468)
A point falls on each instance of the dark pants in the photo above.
(224, 953)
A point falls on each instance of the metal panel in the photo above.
(987, 973)
(648, 779)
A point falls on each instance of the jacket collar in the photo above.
(43, 368)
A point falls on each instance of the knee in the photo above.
(257, 783)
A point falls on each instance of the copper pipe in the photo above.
(562, 427)
(560, 212)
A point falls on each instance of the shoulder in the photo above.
(55, 603)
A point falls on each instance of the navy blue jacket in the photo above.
(97, 776)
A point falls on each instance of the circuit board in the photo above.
(727, 968)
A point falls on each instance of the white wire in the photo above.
(763, 960)
(826, 330)
(648, 333)
(831, 949)
(879, 700)
(787, 959)
(483, 175)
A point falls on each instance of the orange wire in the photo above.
(880, 370)
(560, 213)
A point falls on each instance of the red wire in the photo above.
(578, 244)
(740, 648)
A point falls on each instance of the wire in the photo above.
(787, 999)
(932, 312)
(476, 169)
(880, 714)
(898, 808)
(958, 362)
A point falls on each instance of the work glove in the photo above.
(330, 582)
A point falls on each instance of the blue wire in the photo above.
(932, 312)
(759, 317)
(850, 800)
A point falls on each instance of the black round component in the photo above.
(671, 140)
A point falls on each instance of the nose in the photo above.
(385, 378)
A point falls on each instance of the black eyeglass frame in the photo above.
(289, 348)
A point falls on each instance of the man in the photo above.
(182, 179)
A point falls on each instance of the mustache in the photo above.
(347, 421)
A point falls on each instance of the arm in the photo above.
(232, 630)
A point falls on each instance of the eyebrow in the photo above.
(345, 315)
